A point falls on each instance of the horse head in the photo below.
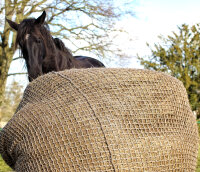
(30, 38)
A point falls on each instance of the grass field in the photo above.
(198, 163)
(3, 166)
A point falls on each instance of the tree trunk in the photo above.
(6, 55)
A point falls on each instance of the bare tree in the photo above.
(89, 22)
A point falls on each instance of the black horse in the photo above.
(43, 53)
(88, 60)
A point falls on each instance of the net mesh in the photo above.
(102, 120)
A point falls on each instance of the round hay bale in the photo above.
(102, 120)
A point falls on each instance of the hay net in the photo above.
(102, 120)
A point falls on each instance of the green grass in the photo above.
(198, 162)
(3, 166)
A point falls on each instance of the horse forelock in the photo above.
(24, 28)
(27, 27)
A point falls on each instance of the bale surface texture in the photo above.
(102, 120)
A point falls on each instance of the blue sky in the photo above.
(152, 18)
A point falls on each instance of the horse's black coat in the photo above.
(42, 52)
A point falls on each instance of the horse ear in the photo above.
(40, 20)
(13, 24)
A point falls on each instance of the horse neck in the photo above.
(65, 57)
(66, 60)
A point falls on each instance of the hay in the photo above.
(102, 120)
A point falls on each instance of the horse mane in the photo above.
(61, 46)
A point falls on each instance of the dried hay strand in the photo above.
(102, 120)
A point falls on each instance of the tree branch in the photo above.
(17, 58)
(11, 74)
(61, 12)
